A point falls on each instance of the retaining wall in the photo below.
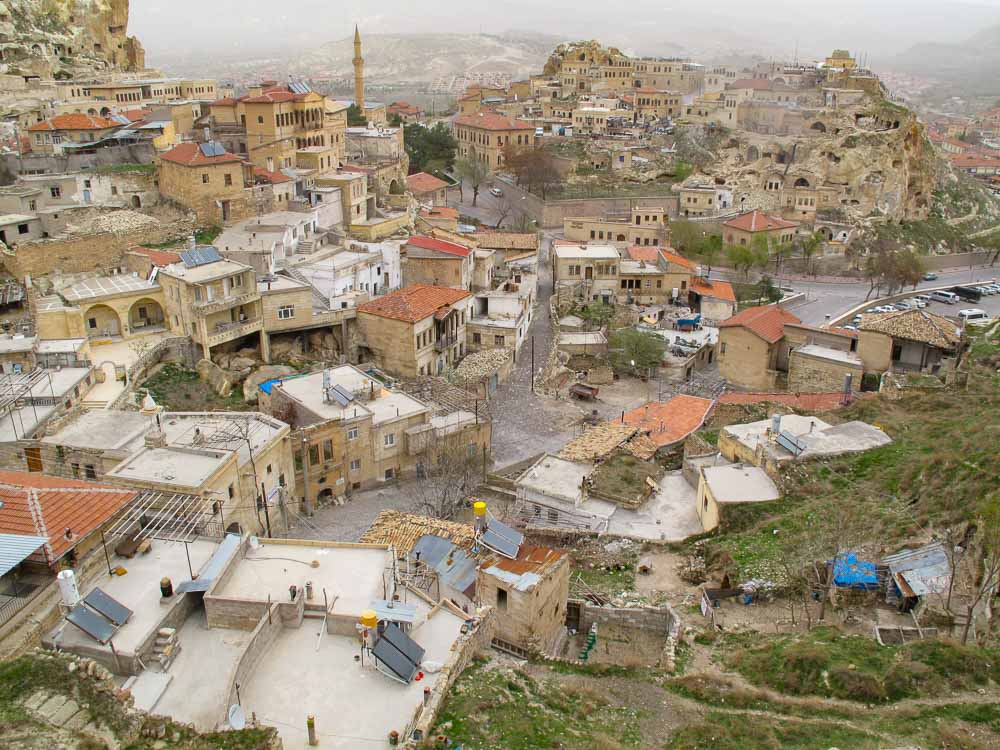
(264, 634)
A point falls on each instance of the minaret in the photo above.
(359, 72)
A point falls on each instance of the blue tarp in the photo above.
(851, 573)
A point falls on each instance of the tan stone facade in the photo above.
(485, 136)
(808, 373)
(747, 360)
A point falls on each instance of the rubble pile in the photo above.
(481, 364)
(597, 442)
(115, 222)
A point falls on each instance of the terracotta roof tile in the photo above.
(160, 258)
(421, 182)
(758, 221)
(492, 121)
(441, 246)
(413, 303)
(190, 155)
(914, 325)
(713, 288)
(669, 422)
(74, 122)
(767, 321)
(274, 178)
(63, 504)
(402, 530)
(597, 441)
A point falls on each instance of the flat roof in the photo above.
(60, 346)
(739, 483)
(556, 477)
(578, 338)
(207, 272)
(593, 252)
(833, 355)
(16, 218)
(174, 466)
(107, 286)
(387, 406)
(12, 344)
(108, 429)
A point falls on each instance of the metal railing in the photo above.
(16, 602)
(206, 307)
(227, 331)
(445, 341)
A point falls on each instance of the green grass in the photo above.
(203, 236)
(725, 731)
(623, 477)
(827, 663)
(509, 709)
(180, 389)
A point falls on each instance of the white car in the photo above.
(496, 192)
(923, 299)
(917, 303)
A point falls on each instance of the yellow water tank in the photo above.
(479, 508)
(369, 619)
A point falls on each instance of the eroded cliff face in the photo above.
(869, 160)
(66, 39)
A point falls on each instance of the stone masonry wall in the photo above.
(267, 630)
(809, 375)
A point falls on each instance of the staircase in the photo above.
(589, 645)
(306, 247)
(93, 405)
(166, 647)
(319, 299)
(314, 611)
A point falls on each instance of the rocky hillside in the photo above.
(970, 67)
(391, 58)
(67, 38)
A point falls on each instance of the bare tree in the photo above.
(475, 171)
(449, 472)
(504, 208)
(986, 570)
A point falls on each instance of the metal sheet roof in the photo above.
(16, 548)
(925, 570)
(452, 563)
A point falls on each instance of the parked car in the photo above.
(496, 192)
(904, 305)
(949, 298)
(923, 298)
(994, 287)
(855, 320)
(967, 292)
(930, 276)
(990, 288)
(973, 315)
(917, 303)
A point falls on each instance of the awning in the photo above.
(15, 549)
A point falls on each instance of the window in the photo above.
(32, 205)
(501, 599)
(356, 464)
(327, 450)
(89, 471)
(313, 454)
(204, 178)
(390, 440)
(298, 460)
(286, 312)
(352, 434)
(260, 119)
(55, 191)
(197, 294)
(86, 183)
(237, 281)
(22, 228)
(476, 338)
(389, 474)
(76, 469)
(114, 190)
(232, 492)
(722, 348)
(498, 340)
(227, 180)
(269, 470)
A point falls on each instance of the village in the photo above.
(639, 402)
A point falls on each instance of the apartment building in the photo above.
(654, 104)
(49, 136)
(416, 330)
(642, 225)
(742, 229)
(207, 179)
(437, 262)
(485, 136)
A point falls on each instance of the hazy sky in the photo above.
(253, 28)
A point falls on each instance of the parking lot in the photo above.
(990, 304)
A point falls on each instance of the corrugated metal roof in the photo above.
(15, 549)
(924, 571)
(456, 568)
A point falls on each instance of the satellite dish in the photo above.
(237, 719)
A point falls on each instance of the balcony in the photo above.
(224, 332)
(446, 341)
(207, 307)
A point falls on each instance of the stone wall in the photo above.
(86, 252)
(268, 628)
(661, 620)
(813, 375)
(140, 153)
(462, 652)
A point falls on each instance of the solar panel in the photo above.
(299, 88)
(105, 605)
(401, 667)
(403, 643)
(91, 623)
(341, 395)
(212, 148)
(499, 545)
(200, 256)
(501, 529)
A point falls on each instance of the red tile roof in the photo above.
(404, 108)
(671, 257)
(671, 421)
(441, 246)
(275, 178)
(804, 401)
(648, 254)
(421, 182)
(66, 511)
(716, 289)
(767, 321)
(492, 121)
(758, 221)
(136, 114)
(74, 122)
(161, 258)
(413, 303)
(227, 101)
(973, 160)
(189, 155)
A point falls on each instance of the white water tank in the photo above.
(67, 588)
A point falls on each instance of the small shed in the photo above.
(914, 574)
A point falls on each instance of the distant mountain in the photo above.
(391, 58)
(970, 66)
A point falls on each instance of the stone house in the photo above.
(649, 276)
(416, 330)
(427, 188)
(48, 137)
(655, 104)
(714, 299)
(17, 228)
(726, 486)
(643, 225)
(437, 262)
(749, 345)
(742, 229)
(909, 340)
(592, 269)
(819, 369)
(485, 136)
(103, 308)
(207, 180)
